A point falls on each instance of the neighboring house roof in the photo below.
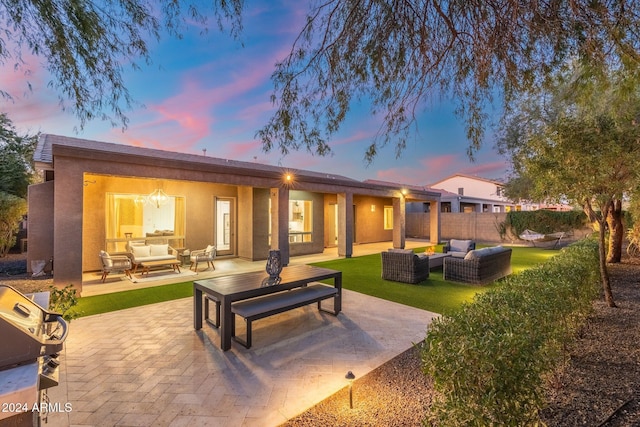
(461, 175)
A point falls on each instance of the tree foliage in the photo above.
(12, 209)
(86, 45)
(17, 170)
(577, 139)
(399, 55)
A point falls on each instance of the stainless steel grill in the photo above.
(29, 330)
(31, 339)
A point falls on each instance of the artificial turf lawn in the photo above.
(361, 274)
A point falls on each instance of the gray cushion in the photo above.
(459, 245)
(401, 251)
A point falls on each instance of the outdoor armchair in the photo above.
(458, 248)
(401, 265)
(203, 255)
(118, 263)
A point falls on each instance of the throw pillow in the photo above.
(209, 248)
(158, 250)
(106, 259)
(141, 251)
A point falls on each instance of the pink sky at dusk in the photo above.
(210, 92)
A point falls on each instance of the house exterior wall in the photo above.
(40, 228)
(67, 224)
(199, 206)
(369, 226)
(72, 207)
(246, 222)
(330, 217)
(478, 188)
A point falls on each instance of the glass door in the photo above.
(225, 226)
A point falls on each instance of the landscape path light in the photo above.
(350, 377)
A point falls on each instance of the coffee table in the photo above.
(148, 265)
(436, 260)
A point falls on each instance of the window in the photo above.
(300, 221)
(461, 191)
(388, 217)
(130, 216)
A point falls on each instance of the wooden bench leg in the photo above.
(216, 323)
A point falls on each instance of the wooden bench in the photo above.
(261, 307)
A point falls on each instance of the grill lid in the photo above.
(30, 330)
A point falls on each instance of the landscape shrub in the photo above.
(489, 360)
(542, 221)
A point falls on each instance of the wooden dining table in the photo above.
(242, 286)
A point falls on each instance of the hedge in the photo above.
(489, 360)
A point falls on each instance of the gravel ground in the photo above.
(600, 385)
(13, 272)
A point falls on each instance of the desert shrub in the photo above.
(542, 221)
(489, 360)
(63, 300)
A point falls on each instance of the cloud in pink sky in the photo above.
(209, 92)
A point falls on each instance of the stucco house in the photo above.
(98, 195)
(466, 193)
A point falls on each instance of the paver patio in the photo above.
(146, 366)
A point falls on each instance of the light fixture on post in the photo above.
(158, 197)
(350, 377)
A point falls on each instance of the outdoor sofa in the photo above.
(403, 265)
(139, 252)
(479, 266)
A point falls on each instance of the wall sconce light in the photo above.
(350, 377)
(404, 191)
(373, 208)
(288, 179)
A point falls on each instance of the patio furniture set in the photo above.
(252, 297)
(460, 262)
(152, 256)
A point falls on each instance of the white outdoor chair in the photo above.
(118, 263)
(203, 255)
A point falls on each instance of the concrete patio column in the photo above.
(345, 224)
(434, 222)
(280, 222)
(399, 222)
(68, 223)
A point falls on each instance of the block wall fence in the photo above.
(481, 227)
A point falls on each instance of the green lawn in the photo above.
(361, 274)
